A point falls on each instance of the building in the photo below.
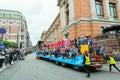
(53, 33)
(43, 35)
(16, 26)
(28, 41)
(85, 17)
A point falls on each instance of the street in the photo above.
(32, 69)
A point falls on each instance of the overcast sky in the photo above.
(39, 14)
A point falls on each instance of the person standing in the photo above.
(112, 62)
(2, 57)
(7, 57)
(11, 56)
(86, 62)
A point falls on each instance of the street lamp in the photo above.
(18, 40)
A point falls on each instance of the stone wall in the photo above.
(109, 41)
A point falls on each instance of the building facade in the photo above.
(16, 26)
(54, 31)
(85, 17)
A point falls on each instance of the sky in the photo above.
(39, 14)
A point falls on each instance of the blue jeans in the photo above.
(7, 60)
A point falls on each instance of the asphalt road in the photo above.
(32, 69)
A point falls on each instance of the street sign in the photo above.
(2, 46)
(2, 31)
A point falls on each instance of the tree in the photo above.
(10, 44)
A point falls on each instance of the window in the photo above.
(3, 14)
(22, 37)
(10, 22)
(112, 10)
(3, 22)
(99, 9)
(22, 30)
(0, 14)
(67, 13)
(6, 37)
(67, 35)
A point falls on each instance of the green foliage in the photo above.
(10, 44)
(34, 47)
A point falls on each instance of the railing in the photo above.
(108, 36)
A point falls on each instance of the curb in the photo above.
(2, 69)
(5, 67)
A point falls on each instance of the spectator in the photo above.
(2, 57)
(98, 50)
(7, 57)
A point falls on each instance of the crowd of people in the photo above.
(9, 56)
(65, 48)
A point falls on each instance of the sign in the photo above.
(84, 48)
(2, 31)
(2, 46)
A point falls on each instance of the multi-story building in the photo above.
(86, 17)
(15, 24)
(53, 33)
(28, 41)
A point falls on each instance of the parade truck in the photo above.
(97, 61)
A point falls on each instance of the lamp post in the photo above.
(18, 40)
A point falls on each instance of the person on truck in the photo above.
(86, 62)
(112, 62)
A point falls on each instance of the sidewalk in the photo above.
(4, 67)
